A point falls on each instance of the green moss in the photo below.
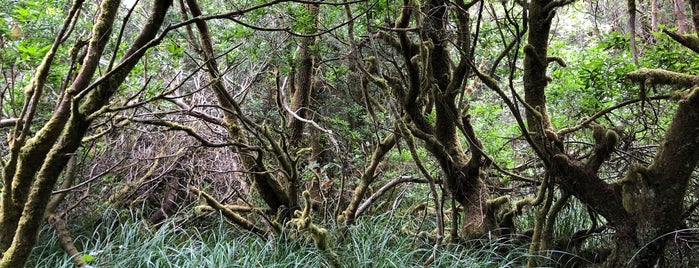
(303, 221)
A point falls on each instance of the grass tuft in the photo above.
(375, 241)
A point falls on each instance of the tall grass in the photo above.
(375, 241)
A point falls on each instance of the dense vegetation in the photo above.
(349, 133)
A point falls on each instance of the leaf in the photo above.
(88, 258)
(23, 14)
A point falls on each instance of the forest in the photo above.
(349, 133)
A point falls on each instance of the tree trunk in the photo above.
(350, 213)
(462, 173)
(303, 82)
(694, 5)
(632, 29)
(681, 17)
(654, 6)
(28, 188)
(647, 204)
(654, 196)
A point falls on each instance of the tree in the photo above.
(646, 204)
(36, 160)
(431, 86)
(431, 81)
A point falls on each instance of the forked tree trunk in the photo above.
(437, 87)
(35, 164)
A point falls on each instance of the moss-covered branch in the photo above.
(539, 224)
(663, 77)
(26, 158)
(439, 215)
(689, 41)
(605, 141)
(303, 221)
(66, 240)
(55, 219)
(228, 213)
(350, 213)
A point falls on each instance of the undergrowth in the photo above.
(375, 241)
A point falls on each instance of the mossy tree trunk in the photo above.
(304, 66)
(439, 85)
(37, 162)
(653, 196)
(349, 214)
(645, 205)
(304, 89)
(428, 98)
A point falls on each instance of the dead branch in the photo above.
(384, 189)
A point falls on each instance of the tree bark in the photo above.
(654, 6)
(351, 211)
(694, 5)
(535, 62)
(631, 5)
(647, 204)
(19, 172)
(434, 83)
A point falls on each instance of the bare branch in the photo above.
(8, 122)
(555, 4)
(599, 114)
(384, 189)
(90, 179)
(308, 121)
(189, 130)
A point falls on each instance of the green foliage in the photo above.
(253, 71)
(496, 129)
(88, 258)
(669, 55)
(32, 52)
(304, 20)
(175, 49)
(594, 79)
(596, 75)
